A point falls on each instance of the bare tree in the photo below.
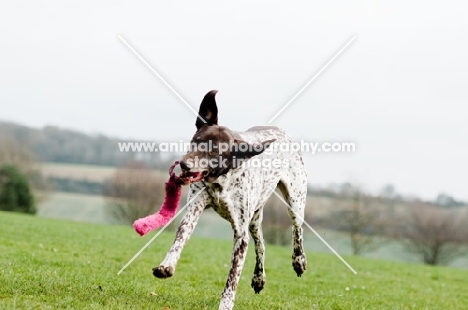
(361, 218)
(16, 154)
(133, 192)
(438, 236)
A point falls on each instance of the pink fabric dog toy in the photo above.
(171, 202)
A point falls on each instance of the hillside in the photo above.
(52, 264)
(59, 145)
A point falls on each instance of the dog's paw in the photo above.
(163, 272)
(299, 264)
(258, 281)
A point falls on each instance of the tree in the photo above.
(133, 192)
(16, 154)
(438, 236)
(447, 201)
(19, 155)
(360, 218)
(15, 192)
(388, 191)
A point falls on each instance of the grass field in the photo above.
(50, 264)
(88, 208)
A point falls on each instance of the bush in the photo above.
(133, 192)
(15, 192)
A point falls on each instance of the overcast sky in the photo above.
(399, 91)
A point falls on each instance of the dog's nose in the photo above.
(184, 166)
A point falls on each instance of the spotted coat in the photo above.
(239, 196)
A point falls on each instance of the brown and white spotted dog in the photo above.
(238, 192)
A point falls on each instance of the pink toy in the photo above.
(171, 202)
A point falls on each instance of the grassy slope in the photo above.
(47, 263)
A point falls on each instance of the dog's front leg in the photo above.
(187, 225)
(241, 241)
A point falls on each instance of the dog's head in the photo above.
(216, 149)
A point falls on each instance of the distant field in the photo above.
(56, 264)
(80, 172)
(88, 208)
(83, 208)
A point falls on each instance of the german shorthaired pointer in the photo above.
(237, 187)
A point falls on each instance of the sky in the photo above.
(398, 91)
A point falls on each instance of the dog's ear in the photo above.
(208, 111)
(244, 150)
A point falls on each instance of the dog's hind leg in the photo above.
(295, 193)
(255, 228)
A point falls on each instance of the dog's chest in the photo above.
(236, 196)
(222, 201)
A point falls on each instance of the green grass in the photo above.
(50, 264)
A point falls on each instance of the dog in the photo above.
(238, 190)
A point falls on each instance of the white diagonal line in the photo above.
(317, 234)
(159, 232)
(161, 78)
(312, 79)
